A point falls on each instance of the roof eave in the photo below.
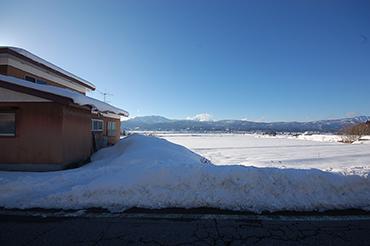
(59, 95)
(35, 60)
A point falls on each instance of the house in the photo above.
(47, 122)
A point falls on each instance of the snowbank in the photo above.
(149, 172)
(322, 138)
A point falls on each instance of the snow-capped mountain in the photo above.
(159, 123)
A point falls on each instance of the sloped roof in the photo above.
(29, 57)
(77, 98)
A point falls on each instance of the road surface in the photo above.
(182, 227)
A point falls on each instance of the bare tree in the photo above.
(354, 132)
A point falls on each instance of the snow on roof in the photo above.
(48, 64)
(76, 97)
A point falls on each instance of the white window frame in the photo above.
(97, 125)
(112, 128)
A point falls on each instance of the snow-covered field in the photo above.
(238, 172)
(323, 152)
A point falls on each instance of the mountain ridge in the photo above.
(160, 123)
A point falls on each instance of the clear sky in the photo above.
(261, 60)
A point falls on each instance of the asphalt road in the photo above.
(176, 227)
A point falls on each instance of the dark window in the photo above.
(34, 80)
(7, 124)
(39, 81)
(30, 79)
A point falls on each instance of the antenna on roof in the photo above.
(105, 94)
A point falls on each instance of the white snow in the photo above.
(77, 98)
(321, 138)
(250, 173)
(324, 152)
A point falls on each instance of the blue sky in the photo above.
(259, 60)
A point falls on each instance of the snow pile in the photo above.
(332, 138)
(154, 173)
(322, 138)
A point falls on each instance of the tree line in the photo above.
(354, 132)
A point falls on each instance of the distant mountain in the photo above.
(150, 119)
(159, 123)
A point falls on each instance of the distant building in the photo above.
(46, 120)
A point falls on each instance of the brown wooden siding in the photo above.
(76, 135)
(20, 74)
(4, 69)
(47, 133)
(111, 139)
